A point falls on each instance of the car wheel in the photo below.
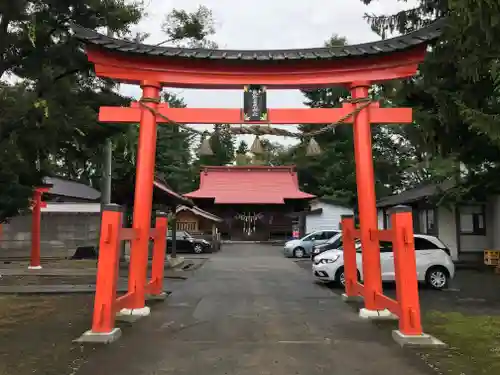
(437, 278)
(299, 252)
(340, 277)
(198, 249)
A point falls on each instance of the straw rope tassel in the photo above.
(313, 148)
(205, 147)
(257, 146)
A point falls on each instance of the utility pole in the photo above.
(174, 233)
(106, 173)
(107, 163)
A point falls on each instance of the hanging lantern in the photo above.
(313, 148)
(206, 148)
(257, 146)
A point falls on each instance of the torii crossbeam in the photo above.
(283, 116)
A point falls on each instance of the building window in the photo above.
(427, 221)
(188, 226)
(387, 220)
(472, 220)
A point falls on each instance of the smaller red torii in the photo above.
(36, 218)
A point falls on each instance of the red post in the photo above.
(365, 182)
(143, 197)
(405, 266)
(107, 270)
(35, 230)
(350, 267)
(159, 249)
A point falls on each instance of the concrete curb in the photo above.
(54, 289)
(174, 262)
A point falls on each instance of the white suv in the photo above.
(434, 264)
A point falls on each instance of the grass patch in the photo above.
(474, 343)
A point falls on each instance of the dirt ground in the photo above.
(46, 280)
(36, 333)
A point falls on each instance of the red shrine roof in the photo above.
(249, 185)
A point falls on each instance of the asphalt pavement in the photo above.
(249, 310)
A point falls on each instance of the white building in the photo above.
(325, 214)
(467, 228)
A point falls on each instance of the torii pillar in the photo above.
(36, 218)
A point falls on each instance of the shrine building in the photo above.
(256, 203)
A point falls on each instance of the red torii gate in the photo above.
(357, 67)
(36, 217)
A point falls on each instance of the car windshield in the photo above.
(305, 237)
(179, 234)
(336, 239)
(357, 246)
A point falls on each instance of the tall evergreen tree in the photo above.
(456, 95)
(333, 172)
(174, 144)
(56, 98)
(242, 157)
(222, 144)
(173, 155)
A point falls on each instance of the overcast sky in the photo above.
(268, 24)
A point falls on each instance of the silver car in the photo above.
(302, 247)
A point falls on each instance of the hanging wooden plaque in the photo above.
(254, 103)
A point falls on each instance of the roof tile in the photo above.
(249, 185)
(421, 36)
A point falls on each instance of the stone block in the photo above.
(99, 338)
(422, 341)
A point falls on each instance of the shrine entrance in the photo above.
(357, 67)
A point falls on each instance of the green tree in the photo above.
(19, 171)
(190, 29)
(57, 97)
(222, 144)
(242, 148)
(456, 95)
(173, 155)
(173, 150)
(332, 173)
(242, 157)
(274, 153)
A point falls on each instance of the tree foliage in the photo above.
(333, 172)
(223, 148)
(48, 123)
(176, 162)
(173, 154)
(456, 94)
(190, 29)
(49, 115)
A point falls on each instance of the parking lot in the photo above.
(466, 316)
(471, 292)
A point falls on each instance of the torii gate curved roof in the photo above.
(128, 61)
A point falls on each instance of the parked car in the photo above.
(302, 247)
(333, 243)
(434, 264)
(186, 243)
